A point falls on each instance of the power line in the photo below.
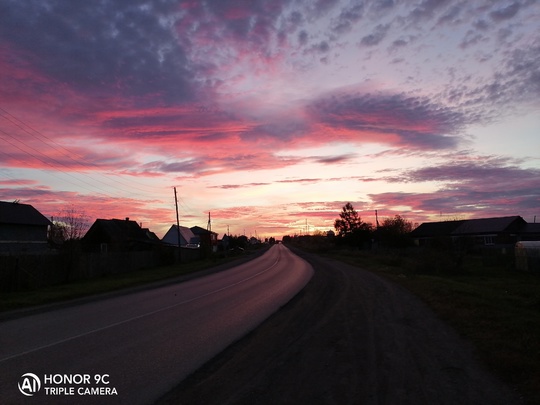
(54, 175)
(64, 152)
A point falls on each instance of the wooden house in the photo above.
(119, 235)
(23, 229)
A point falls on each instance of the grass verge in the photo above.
(496, 309)
(112, 282)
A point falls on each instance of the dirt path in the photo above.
(348, 338)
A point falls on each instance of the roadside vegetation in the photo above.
(113, 282)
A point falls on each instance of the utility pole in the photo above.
(209, 226)
(377, 218)
(177, 227)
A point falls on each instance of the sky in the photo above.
(271, 115)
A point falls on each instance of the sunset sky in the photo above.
(271, 114)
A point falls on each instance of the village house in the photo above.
(187, 237)
(118, 235)
(23, 229)
(207, 240)
(478, 232)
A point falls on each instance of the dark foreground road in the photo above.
(348, 338)
(131, 349)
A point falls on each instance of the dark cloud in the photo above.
(378, 34)
(284, 129)
(303, 181)
(334, 159)
(451, 16)
(303, 37)
(379, 7)
(250, 24)
(491, 185)
(322, 47)
(490, 173)
(523, 71)
(319, 8)
(238, 186)
(123, 47)
(348, 18)
(506, 12)
(481, 24)
(472, 38)
(418, 122)
(427, 8)
(398, 43)
(516, 80)
(191, 166)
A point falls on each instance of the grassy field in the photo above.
(84, 288)
(495, 308)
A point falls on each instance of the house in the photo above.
(478, 232)
(187, 237)
(22, 228)
(208, 240)
(429, 231)
(530, 232)
(119, 235)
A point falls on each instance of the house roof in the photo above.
(171, 237)
(490, 225)
(197, 230)
(21, 214)
(434, 229)
(472, 227)
(117, 230)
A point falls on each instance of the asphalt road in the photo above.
(349, 337)
(133, 348)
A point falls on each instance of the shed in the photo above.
(528, 256)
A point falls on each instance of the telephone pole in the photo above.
(177, 227)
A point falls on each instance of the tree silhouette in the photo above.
(350, 227)
(394, 232)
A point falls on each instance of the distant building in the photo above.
(208, 240)
(119, 235)
(484, 231)
(187, 237)
(23, 229)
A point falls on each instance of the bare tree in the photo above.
(70, 224)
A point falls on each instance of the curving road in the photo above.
(349, 337)
(144, 343)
